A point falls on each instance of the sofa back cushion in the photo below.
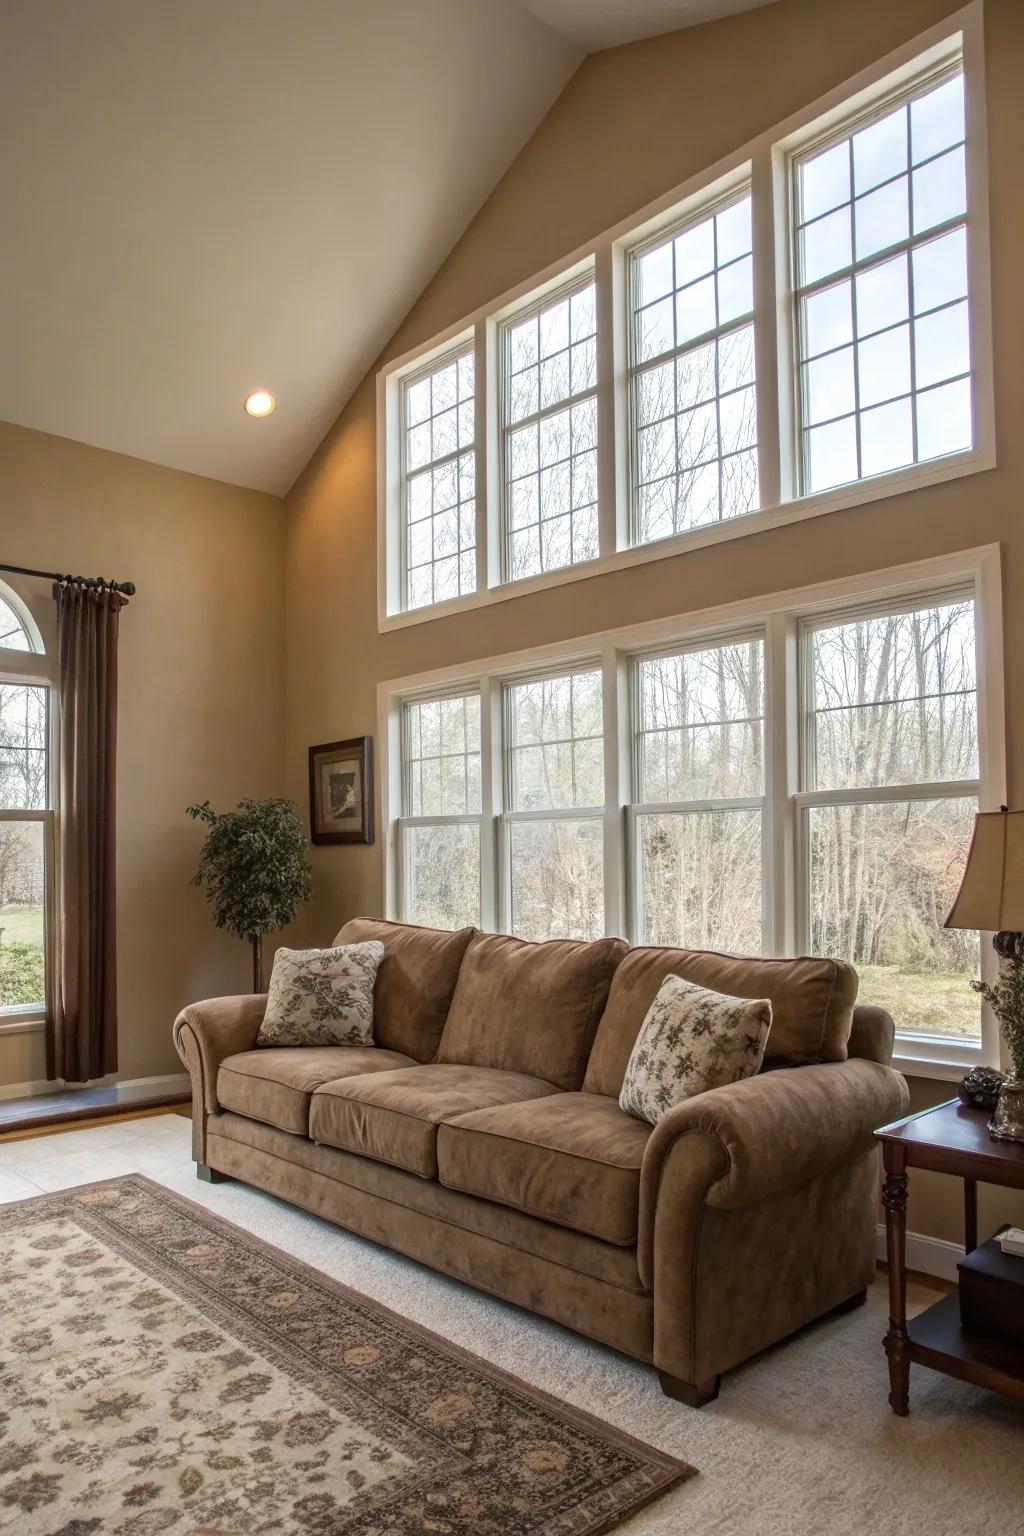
(415, 981)
(530, 1008)
(812, 1005)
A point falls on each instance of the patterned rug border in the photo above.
(675, 1471)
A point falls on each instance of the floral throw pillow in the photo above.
(692, 1039)
(322, 996)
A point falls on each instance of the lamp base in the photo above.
(1007, 1123)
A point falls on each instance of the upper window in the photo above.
(439, 482)
(891, 761)
(697, 816)
(881, 256)
(639, 403)
(692, 375)
(549, 435)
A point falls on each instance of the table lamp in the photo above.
(991, 898)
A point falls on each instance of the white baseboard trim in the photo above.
(928, 1255)
(171, 1082)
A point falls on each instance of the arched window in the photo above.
(14, 634)
(26, 816)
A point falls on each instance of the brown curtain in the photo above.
(82, 1039)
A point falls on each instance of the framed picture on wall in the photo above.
(341, 791)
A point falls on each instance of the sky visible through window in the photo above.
(440, 482)
(884, 334)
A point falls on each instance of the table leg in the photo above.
(897, 1340)
(970, 1214)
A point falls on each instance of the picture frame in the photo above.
(341, 791)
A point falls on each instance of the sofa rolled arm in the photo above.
(774, 1132)
(205, 1033)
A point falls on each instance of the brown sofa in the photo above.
(482, 1135)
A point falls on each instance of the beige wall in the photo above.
(201, 697)
(633, 123)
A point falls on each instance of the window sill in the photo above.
(22, 1021)
(860, 493)
(945, 1062)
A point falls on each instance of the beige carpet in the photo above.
(800, 1443)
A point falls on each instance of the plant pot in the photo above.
(1007, 1121)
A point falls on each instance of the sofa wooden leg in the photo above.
(693, 1393)
(211, 1175)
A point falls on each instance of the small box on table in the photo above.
(992, 1292)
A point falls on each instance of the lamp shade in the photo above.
(991, 895)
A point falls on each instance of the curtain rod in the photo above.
(125, 587)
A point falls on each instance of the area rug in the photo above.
(162, 1371)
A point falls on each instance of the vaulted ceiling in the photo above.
(594, 24)
(199, 199)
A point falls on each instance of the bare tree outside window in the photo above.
(12, 631)
(439, 481)
(23, 792)
(549, 435)
(441, 825)
(893, 706)
(692, 376)
(554, 824)
(699, 796)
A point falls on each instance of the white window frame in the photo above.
(779, 617)
(764, 163)
(636, 809)
(450, 355)
(507, 816)
(929, 78)
(404, 822)
(808, 796)
(576, 284)
(37, 668)
(635, 368)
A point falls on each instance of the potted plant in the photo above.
(255, 867)
(1006, 999)
(991, 899)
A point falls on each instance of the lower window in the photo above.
(557, 878)
(699, 879)
(882, 878)
(24, 836)
(22, 909)
(441, 874)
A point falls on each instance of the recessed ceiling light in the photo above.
(260, 403)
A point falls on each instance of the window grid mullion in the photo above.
(889, 794)
(911, 303)
(879, 258)
(855, 349)
(546, 411)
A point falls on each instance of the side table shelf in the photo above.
(953, 1139)
(937, 1340)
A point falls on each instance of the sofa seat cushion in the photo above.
(275, 1084)
(573, 1159)
(394, 1117)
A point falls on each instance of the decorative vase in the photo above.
(1008, 1119)
(980, 1088)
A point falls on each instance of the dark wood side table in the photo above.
(947, 1139)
